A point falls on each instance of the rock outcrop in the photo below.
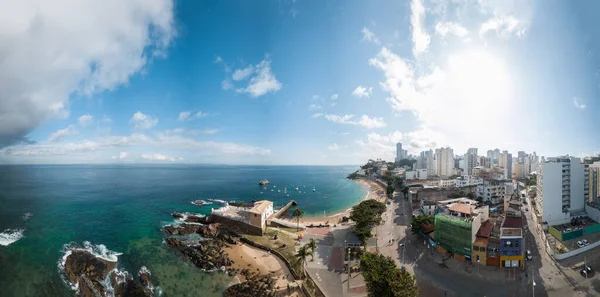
(88, 272)
(255, 285)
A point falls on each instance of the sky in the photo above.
(294, 82)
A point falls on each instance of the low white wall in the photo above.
(576, 251)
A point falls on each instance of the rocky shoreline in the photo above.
(94, 276)
(208, 254)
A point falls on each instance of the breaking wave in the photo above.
(10, 235)
(99, 251)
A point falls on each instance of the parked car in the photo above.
(580, 244)
(585, 242)
(586, 271)
(529, 256)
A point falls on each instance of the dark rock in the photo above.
(183, 229)
(196, 219)
(88, 270)
(254, 286)
(177, 215)
(174, 242)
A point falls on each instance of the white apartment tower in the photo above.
(562, 189)
(505, 161)
(470, 160)
(444, 162)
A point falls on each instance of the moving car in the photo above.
(529, 255)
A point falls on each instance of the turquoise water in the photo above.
(124, 207)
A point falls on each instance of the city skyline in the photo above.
(295, 83)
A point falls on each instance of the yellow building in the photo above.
(479, 254)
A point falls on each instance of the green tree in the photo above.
(407, 162)
(366, 215)
(419, 221)
(385, 279)
(302, 254)
(532, 180)
(312, 245)
(298, 213)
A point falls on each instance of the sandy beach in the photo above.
(374, 191)
(257, 260)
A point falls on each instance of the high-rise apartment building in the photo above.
(562, 189)
(505, 161)
(470, 160)
(594, 182)
(400, 153)
(444, 162)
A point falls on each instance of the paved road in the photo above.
(457, 279)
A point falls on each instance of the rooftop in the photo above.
(485, 230)
(513, 222)
(462, 200)
(481, 242)
(260, 206)
(462, 208)
(511, 232)
(427, 228)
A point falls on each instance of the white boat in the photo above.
(263, 182)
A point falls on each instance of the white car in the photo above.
(580, 244)
(585, 242)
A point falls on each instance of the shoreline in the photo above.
(373, 190)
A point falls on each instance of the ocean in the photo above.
(118, 211)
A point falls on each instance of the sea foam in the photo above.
(99, 251)
(10, 235)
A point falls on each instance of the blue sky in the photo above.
(295, 82)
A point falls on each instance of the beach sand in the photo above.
(375, 191)
(257, 260)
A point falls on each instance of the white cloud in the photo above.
(121, 156)
(379, 146)
(187, 115)
(364, 121)
(44, 59)
(61, 134)
(87, 149)
(240, 74)
(263, 82)
(369, 36)
(160, 157)
(184, 115)
(504, 26)
(334, 97)
(420, 37)
(371, 123)
(314, 107)
(316, 115)
(142, 121)
(218, 59)
(578, 104)
(106, 120)
(362, 92)
(333, 147)
(201, 114)
(85, 120)
(226, 85)
(445, 28)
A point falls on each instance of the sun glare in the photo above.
(480, 78)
